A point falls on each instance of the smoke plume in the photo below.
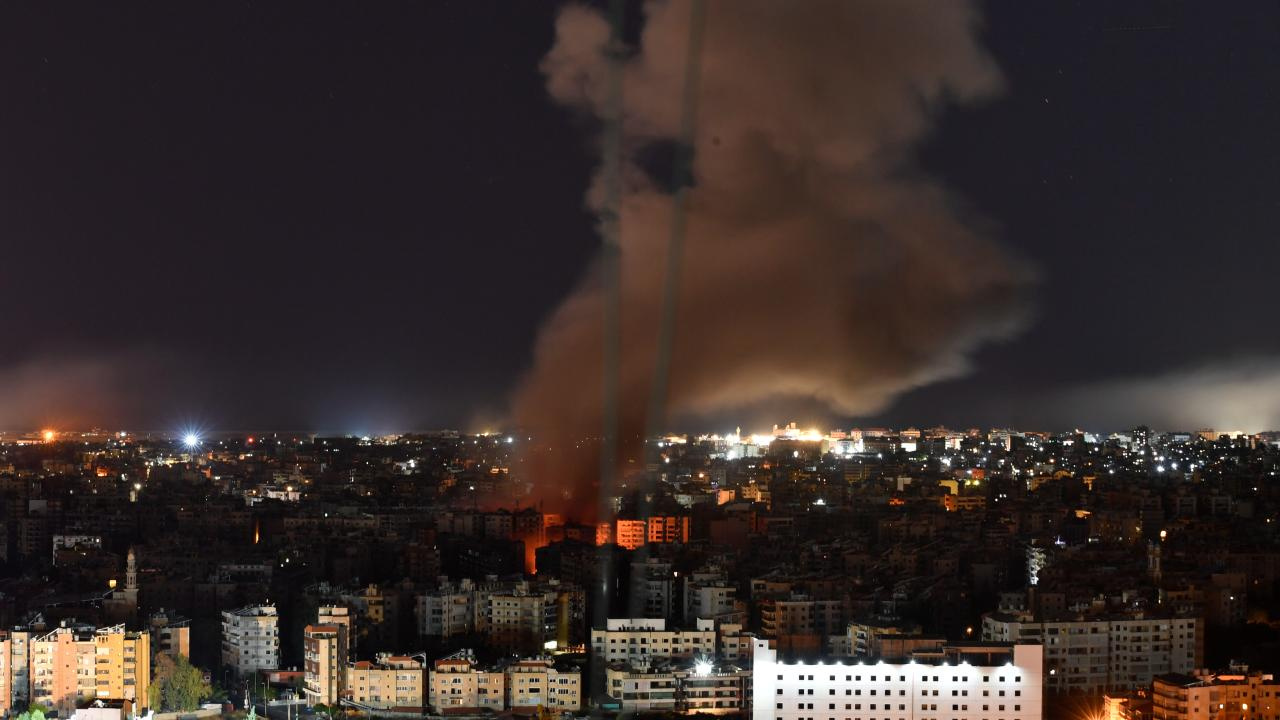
(1235, 394)
(819, 263)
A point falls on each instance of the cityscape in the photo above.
(639, 360)
(978, 573)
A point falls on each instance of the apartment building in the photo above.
(800, 621)
(389, 682)
(689, 686)
(524, 618)
(710, 594)
(653, 588)
(631, 534)
(71, 665)
(631, 639)
(1234, 695)
(448, 611)
(170, 634)
(519, 616)
(326, 649)
(250, 639)
(456, 682)
(1093, 654)
(971, 681)
(537, 683)
(324, 665)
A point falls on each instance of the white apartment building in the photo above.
(975, 681)
(250, 639)
(716, 600)
(632, 639)
(1104, 653)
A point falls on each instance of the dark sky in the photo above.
(355, 217)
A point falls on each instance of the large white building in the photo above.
(250, 639)
(1103, 653)
(974, 681)
(632, 639)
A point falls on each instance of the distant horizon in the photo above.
(177, 434)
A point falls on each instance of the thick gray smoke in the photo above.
(1236, 394)
(819, 263)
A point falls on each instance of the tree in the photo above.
(34, 712)
(178, 685)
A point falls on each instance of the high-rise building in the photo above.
(250, 639)
(69, 666)
(324, 663)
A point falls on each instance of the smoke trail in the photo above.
(818, 263)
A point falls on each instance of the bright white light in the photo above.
(702, 668)
(191, 439)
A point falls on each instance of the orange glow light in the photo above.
(48, 435)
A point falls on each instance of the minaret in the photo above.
(131, 571)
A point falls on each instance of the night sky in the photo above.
(354, 218)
